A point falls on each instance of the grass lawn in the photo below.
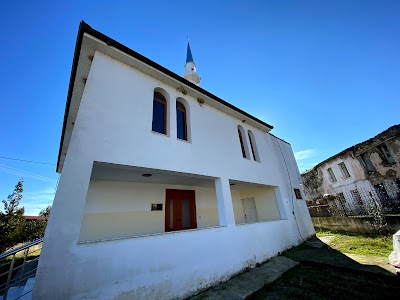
(365, 244)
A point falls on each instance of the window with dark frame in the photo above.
(242, 144)
(253, 146)
(344, 170)
(297, 193)
(332, 176)
(159, 113)
(181, 121)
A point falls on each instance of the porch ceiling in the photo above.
(113, 172)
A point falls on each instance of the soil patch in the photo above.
(313, 281)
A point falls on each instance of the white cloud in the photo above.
(34, 202)
(304, 154)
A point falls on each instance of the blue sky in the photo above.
(324, 73)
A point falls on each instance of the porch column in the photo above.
(224, 201)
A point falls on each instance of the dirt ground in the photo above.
(317, 281)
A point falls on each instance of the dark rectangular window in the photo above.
(344, 170)
(181, 124)
(381, 191)
(241, 143)
(367, 162)
(332, 176)
(388, 156)
(159, 119)
(298, 194)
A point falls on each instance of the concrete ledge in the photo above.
(248, 283)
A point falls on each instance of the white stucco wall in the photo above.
(123, 209)
(114, 125)
(265, 201)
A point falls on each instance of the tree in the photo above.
(34, 229)
(12, 221)
(45, 212)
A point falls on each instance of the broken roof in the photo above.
(357, 149)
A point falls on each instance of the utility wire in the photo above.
(23, 173)
(29, 161)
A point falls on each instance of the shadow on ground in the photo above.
(317, 272)
(315, 250)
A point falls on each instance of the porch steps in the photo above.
(21, 293)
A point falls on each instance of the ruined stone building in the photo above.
(360, 176)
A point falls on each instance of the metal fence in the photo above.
(358, 202)
(17, 266)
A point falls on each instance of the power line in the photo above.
(29, 161)
(23, 173)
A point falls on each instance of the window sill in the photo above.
(158, 133)
(184, 141)
(259, 222)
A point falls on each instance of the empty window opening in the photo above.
(382, 193)
(344, 170)
(297, 193)
(181, 121)
(159, 113)
(386, 153)
(332, 176)
(397, 183)
(253, 146)
(367, 163)
(358, 200)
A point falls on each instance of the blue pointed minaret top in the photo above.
(189, 57)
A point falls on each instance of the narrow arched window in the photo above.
(253, 146)
(159, 113)
(181, 121)
(242, 143)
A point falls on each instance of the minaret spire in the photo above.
(190, 67)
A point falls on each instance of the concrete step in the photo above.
(23, 292)
(28, 288)
(14, 292)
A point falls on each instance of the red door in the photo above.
(180, 210)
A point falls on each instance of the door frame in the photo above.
(180, 195)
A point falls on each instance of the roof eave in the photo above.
(85, 28)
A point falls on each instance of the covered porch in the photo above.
(128, 201)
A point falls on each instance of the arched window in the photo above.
(181, 121)
(242, 141)
(159, 113)
(253, 146)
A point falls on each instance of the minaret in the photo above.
(190, 68)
